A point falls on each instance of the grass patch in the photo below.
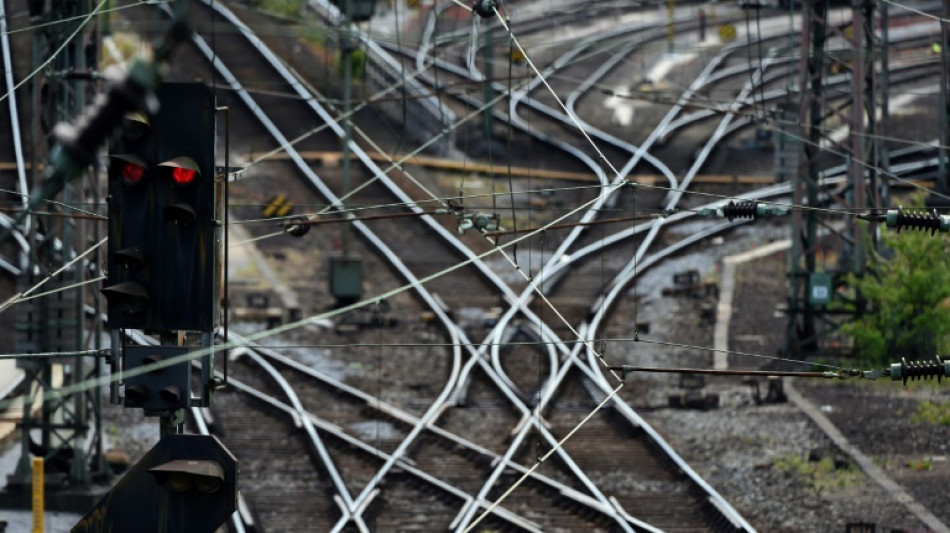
(931, 413)
(920, 465)
(281, 8)
(821, 475)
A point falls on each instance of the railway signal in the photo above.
(164, 236)
(152, 383)
(184, 483)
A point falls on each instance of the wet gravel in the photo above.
(772, 462)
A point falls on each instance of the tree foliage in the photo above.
(907, 295)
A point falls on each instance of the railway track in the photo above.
(13, 179)
(487, 488)
(466, 516)
(484, 422)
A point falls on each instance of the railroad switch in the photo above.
(748, 209)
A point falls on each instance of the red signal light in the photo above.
(130, 169)
(183, 176)
(132, 174)
(181, 171)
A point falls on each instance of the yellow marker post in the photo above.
(38, 499)
(670, 28)
(727, 33)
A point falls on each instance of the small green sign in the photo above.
(819, 288)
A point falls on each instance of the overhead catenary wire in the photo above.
(627, 369)
(104, 11)
(79, 27)
(917, 11)
(291, 326)
(21, 295)
(515, 231)
(280, 148)
(598, 340)
(442, 200)
(694, 192)
(61, 289)
(843, 211)
(100, 218)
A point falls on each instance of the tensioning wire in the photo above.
(201, 352)
(55, 54)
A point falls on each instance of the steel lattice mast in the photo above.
(853, 56)
(67, 429)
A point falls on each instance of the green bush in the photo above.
(822, 475)
(905, 294)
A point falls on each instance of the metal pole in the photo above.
(800, 335)
(347, 49)
(883, 189)
(944, 115)
(486, 87)
(857, 172)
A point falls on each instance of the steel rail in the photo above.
(626, 276)
(265, 51)
(399, 415)
(14, 116)
(556, 254)
(358, 503)
(777, 94)
(405, 464)
(390, 70)
(557, 114)
(531, 330)
(559, 63)
(146, 340)
(324, 190)
(412, 420)
(549, 273)
(654, 228)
